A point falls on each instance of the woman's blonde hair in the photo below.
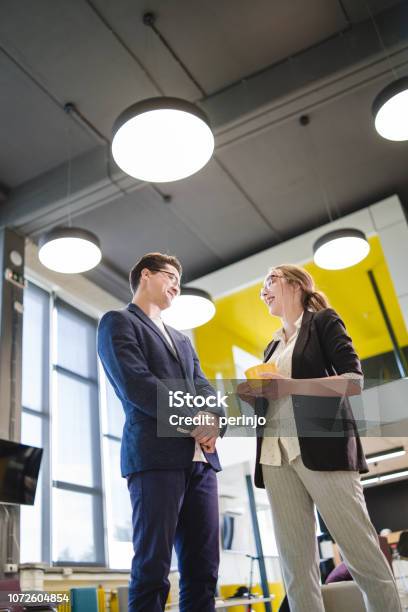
(311, 298)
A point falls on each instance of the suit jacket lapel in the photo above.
(139, 313)
(300, 343)
(270, 349)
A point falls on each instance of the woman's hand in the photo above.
(245, 393)
(273, 386)
(276, 386)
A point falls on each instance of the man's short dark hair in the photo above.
(152, 261)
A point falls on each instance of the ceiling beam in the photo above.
(47, 200)
(358, 44)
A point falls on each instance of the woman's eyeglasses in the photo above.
(267, 286)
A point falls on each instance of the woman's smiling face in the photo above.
(272, 292)
(278, 293)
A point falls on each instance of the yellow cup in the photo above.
(259, 373)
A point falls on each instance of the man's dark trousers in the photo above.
(174, 507)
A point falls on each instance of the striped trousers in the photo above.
(292, 490)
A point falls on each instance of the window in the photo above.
(77, 523)
(60, 396)
(35, 419)
(119, 510)
(243, 360)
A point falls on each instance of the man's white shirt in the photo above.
(198, 453)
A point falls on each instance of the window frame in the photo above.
(50, 370)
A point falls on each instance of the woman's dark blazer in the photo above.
(327, 431)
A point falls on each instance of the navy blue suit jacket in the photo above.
(142, 368)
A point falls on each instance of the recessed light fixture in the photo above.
(390, 111)
(192, 308)
(383, 455)
(340, 249)
(368, 481)
(384, 477)
(394, 475)
(162, 139)
(69, 250)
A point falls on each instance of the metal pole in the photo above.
(398, 354)
(258, 542)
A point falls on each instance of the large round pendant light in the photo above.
(162, 139)
(390, 111)
(340, 249)
(69, 250)
(190, 309)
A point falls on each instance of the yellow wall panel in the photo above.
(243, 320)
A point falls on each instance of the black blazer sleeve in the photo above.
(336, 344)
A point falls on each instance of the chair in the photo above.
(343, 597)
(337, 597)
(123, 597)
(402, 550)
(84, 599)
(402, 546)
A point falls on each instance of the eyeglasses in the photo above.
(173, 278)
(267, 286)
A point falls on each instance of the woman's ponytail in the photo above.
(315, 300)
(311, 299)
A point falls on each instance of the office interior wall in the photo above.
(391, 225)
(243, 321)
(374, 219)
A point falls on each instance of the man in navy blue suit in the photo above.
(172, 479)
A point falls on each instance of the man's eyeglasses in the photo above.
(173, 278)
(267, 286)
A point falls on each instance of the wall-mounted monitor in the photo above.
(19, 468)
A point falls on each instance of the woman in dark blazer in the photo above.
(309, 452)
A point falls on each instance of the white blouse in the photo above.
(280, 420)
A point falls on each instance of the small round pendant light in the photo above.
(390, 111)
(192, 308)
(162, 139)
(340, 249)
(69, 250)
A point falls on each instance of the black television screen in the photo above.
(19, 468)
(387, 505)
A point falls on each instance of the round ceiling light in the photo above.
(390, 111)
(190, 309)
(340, 249)
(69, 250)
(162, 139)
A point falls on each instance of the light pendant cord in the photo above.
(381, 41)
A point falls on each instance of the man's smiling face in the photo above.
(163, 285)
